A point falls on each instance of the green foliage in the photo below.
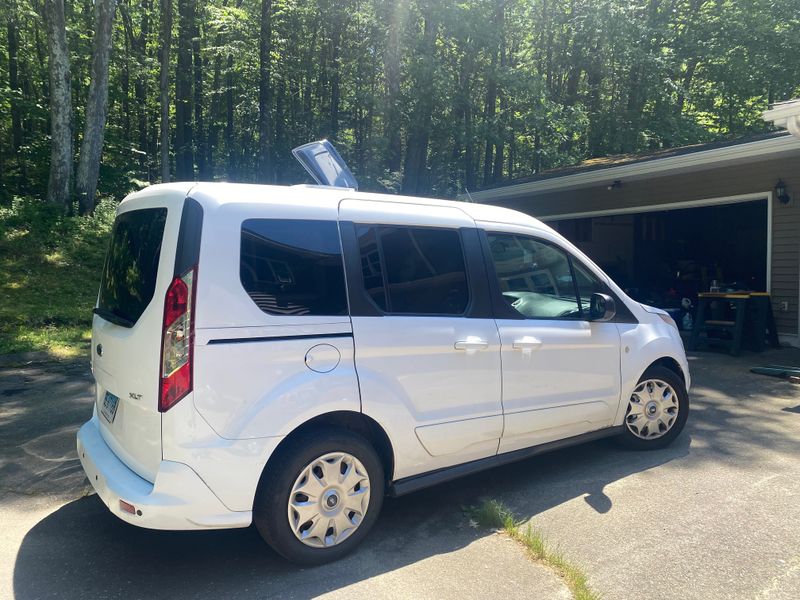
(516, 86)
(49, 275)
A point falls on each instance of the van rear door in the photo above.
(126, 330)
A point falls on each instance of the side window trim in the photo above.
(379, 231)
(575, 287)
(361, 305)
(603, 285)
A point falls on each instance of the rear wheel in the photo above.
(657, 410)
(321, 496)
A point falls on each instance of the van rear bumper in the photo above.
(178, 499)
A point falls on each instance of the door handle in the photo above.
(471, 344)
(527, 342)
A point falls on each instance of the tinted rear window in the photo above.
(293, 266)
(129, 275)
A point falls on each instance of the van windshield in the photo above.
(129, 274)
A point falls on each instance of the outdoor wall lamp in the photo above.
(617, 183)
(780, 192)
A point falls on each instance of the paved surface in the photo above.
(717, 515)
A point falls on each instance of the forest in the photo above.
(426, 97)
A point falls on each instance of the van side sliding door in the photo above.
(427, 348)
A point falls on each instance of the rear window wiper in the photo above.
(113, 317)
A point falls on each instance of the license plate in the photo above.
(109, 408)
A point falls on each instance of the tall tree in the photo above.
(415, 167)
(199, 109)
(164, 50)
(265, 168)
(392, 119)
(12, 28)
(184, 135)
(96, 108)
(60, 180)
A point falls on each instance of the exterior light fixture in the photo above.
(617, 183)
(780, 192)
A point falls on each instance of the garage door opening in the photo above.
(661, 257)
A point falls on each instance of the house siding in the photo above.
(749, 178)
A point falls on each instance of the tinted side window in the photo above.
(414, 270)
(293, 267)
(131, 267)
(535, 278)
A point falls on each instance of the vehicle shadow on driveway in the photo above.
(82, 550)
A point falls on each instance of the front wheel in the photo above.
(657, 410)
(320, 497)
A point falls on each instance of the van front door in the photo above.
(561, 373)
(427, 349)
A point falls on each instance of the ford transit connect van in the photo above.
(287, 356)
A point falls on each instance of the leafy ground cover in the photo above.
(49, 276)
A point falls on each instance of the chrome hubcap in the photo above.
(329, 500)
(652, 409)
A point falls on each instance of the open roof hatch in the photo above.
(325, 165)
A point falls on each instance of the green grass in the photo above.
(49, 276)
(492, 514)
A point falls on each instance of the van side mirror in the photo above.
(602, 308)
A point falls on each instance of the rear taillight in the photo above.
(177, 337)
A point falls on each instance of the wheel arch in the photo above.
(670, 364)
(356, 422)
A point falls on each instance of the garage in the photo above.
(674, 223)
(664, 256)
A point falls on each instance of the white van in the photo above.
(286, 356)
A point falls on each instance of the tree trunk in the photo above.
(231, 169)
(594, 80)
(392, 117)
(265, 171)
(184, 135)
(335, 66)
(500, 131)
(278, 124)
(214, 117)
(58, 186)
(140, 89)
(199, 124)
(126, 89)
(13, 79)
(414, 170)
(489, 108)
(96, 108)
(166, 43)
(138, 44)
(686, 85)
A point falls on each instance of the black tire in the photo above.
(271, 503)
(630, 440)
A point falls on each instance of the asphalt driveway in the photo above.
(717, 515)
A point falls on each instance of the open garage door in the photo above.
(661, 255)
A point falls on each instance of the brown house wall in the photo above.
(757, 176)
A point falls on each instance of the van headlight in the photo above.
(668, 320)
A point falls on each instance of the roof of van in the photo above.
(224, 193)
